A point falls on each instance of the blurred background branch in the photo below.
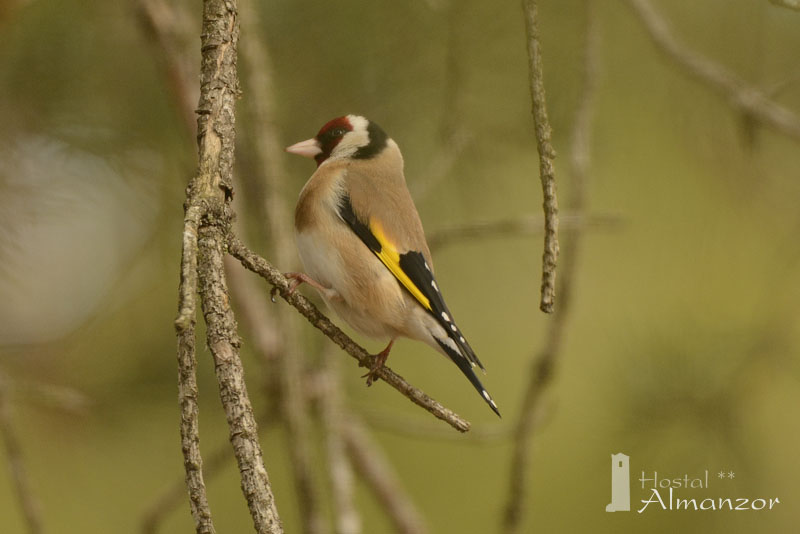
(523, 225)
(28, 502)
(791, 4)
(744, 97)
(168, 24)
(453, 136)
(292, 357)
(333, 412)
(379, 475)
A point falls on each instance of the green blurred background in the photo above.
(683, 341)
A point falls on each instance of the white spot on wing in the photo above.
(453, 327)
(461, 339)
(435, 287)
(445, 317)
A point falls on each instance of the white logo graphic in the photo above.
(620, 484)
(676, 492)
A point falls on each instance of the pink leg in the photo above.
(296, 280)
(300, 278)
(380, 360)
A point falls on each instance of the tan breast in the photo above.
(368, 297)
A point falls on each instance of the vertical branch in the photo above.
(268, 155)
(187, 380)
(543, 367)
(223, 341)
(160, 20)
(31, 510)
(546, 156)
(332, 411)
(210, 192)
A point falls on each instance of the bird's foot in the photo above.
(295, 279)
(380, 360)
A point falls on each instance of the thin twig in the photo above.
(187, 380)
(543, 367)
(742, 96)
(379, 475)
(428, 430)
(272, 275)
(28, 503)
(190, 435)
(546, 156)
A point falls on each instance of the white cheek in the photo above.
(350, 144)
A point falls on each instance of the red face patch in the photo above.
(330, 135)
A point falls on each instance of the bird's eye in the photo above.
(339, 132)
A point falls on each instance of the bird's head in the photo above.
(347, 137)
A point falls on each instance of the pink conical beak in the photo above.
(308, 148)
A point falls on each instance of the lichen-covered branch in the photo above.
(744, 97)
(546, 156)
(544, 366)
(209, 195)
(223, 342)
(190, 432)
(272, 275)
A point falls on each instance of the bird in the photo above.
(362, 246)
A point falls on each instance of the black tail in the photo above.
(466, 367)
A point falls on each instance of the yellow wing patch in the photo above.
(391, 259)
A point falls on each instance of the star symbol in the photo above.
(721, 474)
(731, 474)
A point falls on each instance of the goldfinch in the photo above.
(362, 246)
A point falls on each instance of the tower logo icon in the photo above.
(620, 484)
